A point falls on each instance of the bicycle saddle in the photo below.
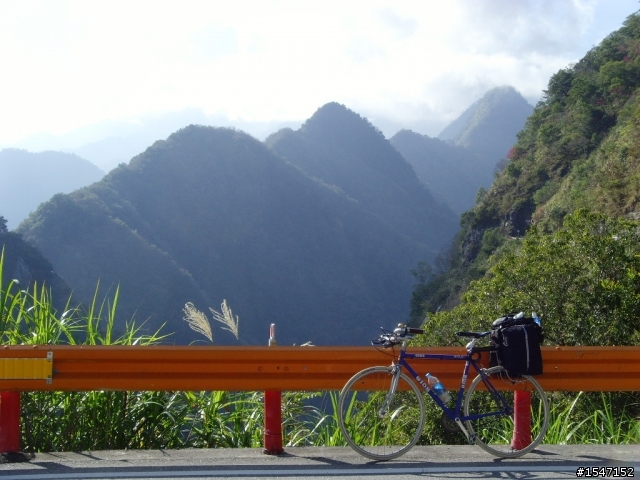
(473, 334)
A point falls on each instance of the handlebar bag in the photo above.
(518, 346)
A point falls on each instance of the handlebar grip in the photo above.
(415, 331)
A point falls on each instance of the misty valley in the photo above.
(316, 230)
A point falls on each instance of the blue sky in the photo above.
(71, 66)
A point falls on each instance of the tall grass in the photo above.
(96, 420)
(594, 418)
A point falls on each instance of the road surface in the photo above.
(448, 462)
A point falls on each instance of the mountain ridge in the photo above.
(356, 159)
(503, 110)
(211, 214)
(468, 153)
(579, 149)
(47, 172)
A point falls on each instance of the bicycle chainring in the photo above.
(449, 425)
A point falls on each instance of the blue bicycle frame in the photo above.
(454, 414)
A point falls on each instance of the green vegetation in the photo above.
(63, 421)
(585, 278)
(604, 418)
(579, 149)
(26, 265)
(557, 233)
(94, 420)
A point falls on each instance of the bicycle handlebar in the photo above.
(400, 334)
(403, 333)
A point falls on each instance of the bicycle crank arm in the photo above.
(470, 438)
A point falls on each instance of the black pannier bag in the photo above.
(517, 340)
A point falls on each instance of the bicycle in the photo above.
(382, 412)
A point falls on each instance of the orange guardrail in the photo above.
(173, 368)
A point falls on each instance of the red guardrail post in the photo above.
(272, 413)
(521, 419)
(9, 422)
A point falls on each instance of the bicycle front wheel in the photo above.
(505, 435)
(377, 422)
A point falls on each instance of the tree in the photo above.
(3, 225)
(584, 280)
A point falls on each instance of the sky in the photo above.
(93, 66)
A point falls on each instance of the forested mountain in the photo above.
(29, 179)
(490, 125)
(26, 265)
(467, 154)
(452, 174)
(579, 149)
(212, 214)
(345, 152)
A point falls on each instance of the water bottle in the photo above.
(438, 388)
(536, 318)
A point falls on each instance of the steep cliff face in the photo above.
(579, 149)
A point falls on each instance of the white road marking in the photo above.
(213, 473)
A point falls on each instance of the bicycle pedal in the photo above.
(449, 424)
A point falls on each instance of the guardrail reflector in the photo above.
(27, 368)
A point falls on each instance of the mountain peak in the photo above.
(502, 109)
(336, 119)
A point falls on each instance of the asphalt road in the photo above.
(548, 461)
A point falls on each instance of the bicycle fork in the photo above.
(384, 407)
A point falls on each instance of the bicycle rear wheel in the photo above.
(375, 423)
(497, 434)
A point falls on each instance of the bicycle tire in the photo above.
(496, 434)
(374, 434)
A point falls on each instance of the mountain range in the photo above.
(318, 243)
(579, 149)
(467, 154)
(333, 245)
(450, 172)
(29, 179)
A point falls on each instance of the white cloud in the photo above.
(414, 63)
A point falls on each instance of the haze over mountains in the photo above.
(29, 179)
(341, 149)
(315, 229)
(212, 214)
(490, 125)
(467, 153)
(452, 172)
(109, 143)
(579, 149)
